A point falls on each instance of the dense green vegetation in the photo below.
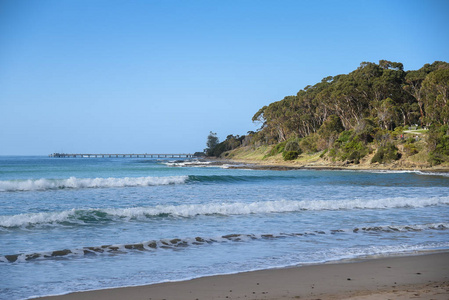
(438, 141)
(351, 115)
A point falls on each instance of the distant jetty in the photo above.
(132, 155)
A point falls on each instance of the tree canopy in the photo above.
(383, 92)
(343, 114)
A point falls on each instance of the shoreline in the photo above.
(423, 275)
(417, 275)
(286, 166)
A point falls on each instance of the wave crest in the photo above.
(79, 183)
(88, 216)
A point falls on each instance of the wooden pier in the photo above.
(133, 155)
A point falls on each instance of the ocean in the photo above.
(76, 224)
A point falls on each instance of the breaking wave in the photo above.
(92, 216)
(197, 241)
(189, 163)
(417, 172)
(80, 183)
(111, 182)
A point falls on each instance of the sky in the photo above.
(156, 76)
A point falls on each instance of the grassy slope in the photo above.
(313, 160)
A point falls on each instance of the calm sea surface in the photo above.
(73, 224)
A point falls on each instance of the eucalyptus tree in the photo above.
(436, 90)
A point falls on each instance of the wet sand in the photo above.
(424, 276)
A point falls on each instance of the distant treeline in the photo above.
(369, 101)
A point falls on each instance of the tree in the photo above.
(413, 85)
(436, 89)
(330, 130)
(212, 142)
(383, 93)
(386, 113)
(438, 143)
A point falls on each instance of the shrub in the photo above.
(309, 143)
(366, 130)
(292, 146)
(386, 153)
(354, 144)
(345, 136)
(410, 149)
(382, 137)
(410, 140)
(438, 141)
(355, 156)
(279, 148)
(351, 147)
(290, 155)
(324, 153)
(398, 131)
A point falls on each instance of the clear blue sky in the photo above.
(157, 76)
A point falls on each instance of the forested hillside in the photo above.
(351, 115)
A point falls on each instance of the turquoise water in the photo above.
(72, 224)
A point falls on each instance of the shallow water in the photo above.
(71, 224)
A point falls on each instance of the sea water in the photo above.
(75, 224)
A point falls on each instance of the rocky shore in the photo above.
(273, 164)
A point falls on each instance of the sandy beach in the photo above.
(423, 276)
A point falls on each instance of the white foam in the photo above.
(188, 163)
(336, 254)
(445, 174)
(280, 206)
(238, 208)
(227, 166)
(36, 218)
(417, 172)
(73, 182)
